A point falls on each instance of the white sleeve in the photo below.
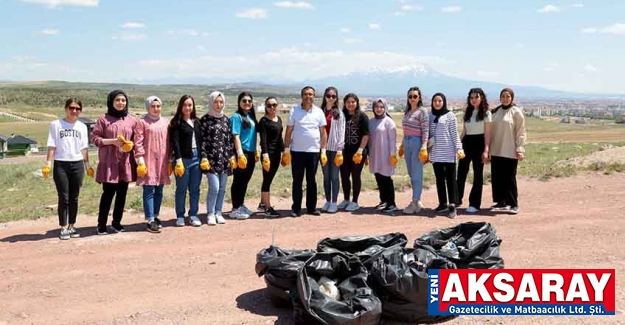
(52, 132)
(84, 137)
(291, 121)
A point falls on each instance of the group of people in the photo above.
(343, 140)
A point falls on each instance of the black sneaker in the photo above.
(498, 207)
(118, 228)
(261, 208)
(159, 223)
(272, 213)
(441, 209)
(381, 206)
(102, 230)
(153, 227)
(514, 210)
(296, 214)
(389, 209)
(452, 212)
(314, 212)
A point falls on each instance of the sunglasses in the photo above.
(272, 105)
(413, 97)
(331, 96)
(246, 101)
(74, 108)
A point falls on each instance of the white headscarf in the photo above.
(211, 99)
(149, 101)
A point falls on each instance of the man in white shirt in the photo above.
(305, 144)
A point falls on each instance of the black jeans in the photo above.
(353, 170)
(503, 179)
(241, 179)
(274, 159)
(68, 177)
(304, 163)
(110, 190)
(473, 146)
(386, 188)
(445, 180)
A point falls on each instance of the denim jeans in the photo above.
(190, 181)
(152, 199)
(216, 192)
(331, 178)
(412, 145)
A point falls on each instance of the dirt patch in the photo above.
(608, 154)
(206, 275)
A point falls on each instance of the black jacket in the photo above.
(180, 135)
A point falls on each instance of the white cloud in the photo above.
(549, 9)
(399, 13)
(345, 30)
(551, 67)
(614, 29)
(451, 9)
(254, 13)
(49, 31)
(578, 5)
(57, 3)
(201, 48)
(132, 25)
(589, 30)
(411, 8)
(487, 74)
(130, 37)
(22, 58)
(296, 5)
(374, 26)
(519, 45)
(590, 68)
(352, 40)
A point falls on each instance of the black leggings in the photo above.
(274, 159)
(386, 188)
(241, 179)
(503, 179)
(110, 190)
(353, 170)
(473, 146)
(445, 180)
(68, 177)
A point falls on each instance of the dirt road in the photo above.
(206, 275)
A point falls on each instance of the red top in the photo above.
(328, 120)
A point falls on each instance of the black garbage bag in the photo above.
(471, 245)
(280, 268)
(362, 246)
(357, 305)
(401, 282)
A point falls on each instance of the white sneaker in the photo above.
(211, 220)
(179, 222)
(471, 209)
(325, 207)
(220, 219)
(246, 210)
(352, 206)
(343, 205)
(333, 208)
(413, 207)
(195, 221)
(419, 205)
(239, 214)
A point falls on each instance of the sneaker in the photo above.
(239, 214)
(64, 235)
(333, 208)
(220, 218)
(325, 207)
(118, 228)
(296, 214)
(246, 210)
(195, 221)
(471, 209)
(498, 207)
(272, 213)
(390, 209)
(158, 222)
(212, 220)
(441, 209)
(180, 222)
(73, 233)
(315, 212)
(452, 213)
(261, 207)
(514, 210)
(413, 208)
(102, 230)
(352, 206)
(152, 226)
(343, 205)
(381, 206)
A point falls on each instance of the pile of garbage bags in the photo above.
(362, 280)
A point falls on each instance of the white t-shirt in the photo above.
(193, 142)
(68, 139)
(306, 124)
(474, 127)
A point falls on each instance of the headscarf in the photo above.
(439, 112)
(110, 104)
(211, 99)
(383, 101)
(511, 92)
(148, 103)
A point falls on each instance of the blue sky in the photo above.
(566, 45)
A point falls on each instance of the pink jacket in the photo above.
(114, 166)
(151, 143)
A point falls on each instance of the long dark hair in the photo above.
(354, 119)
(419, 104)
(334, 109)
(178, 116)
(481, 112)
(246, 122)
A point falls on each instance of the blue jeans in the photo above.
(189, 181)
(331, 178)
(412, 145)
(152, 199)
(216, 192)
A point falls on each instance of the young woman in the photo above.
(185, 137)
(476, 143)
(243, 128)
(335, 129)
(272, 146)
(112, 135)
(152, 153)
(217, 155)
(506, 150)
(446, 146)
(382, 154)
(356, 139)
(416, 124)
(68, 141)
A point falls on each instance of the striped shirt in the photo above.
(336, 135)
(416, 124)
(446, 139)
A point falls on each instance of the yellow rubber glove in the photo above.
(423, 154)
(142, 170)
(128, 145)
(179, 169)
(46, 169)
(357, 159)
(338, 160)
(266, 162)
(90, 172)
(461, 154)
(257, 156)
(170, 169)
(324, 157)
(204, 164)
(286, 158)
(242, 162)
(233, 162)
(393, 160)
(401, 150)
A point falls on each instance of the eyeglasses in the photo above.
(246, 101)
(413, 97)
(272, 105)
(74, 108)
(331, 96)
